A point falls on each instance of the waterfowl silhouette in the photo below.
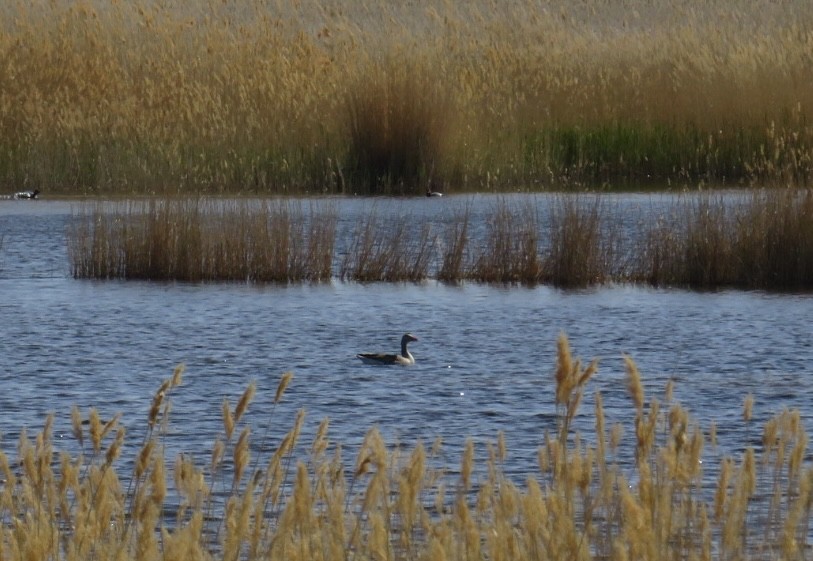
(405, 358)
(27, 194)
(431, 193)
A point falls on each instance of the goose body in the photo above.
(27, 194)
(405, 358)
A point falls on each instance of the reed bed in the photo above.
(201, 240)
(397, 250)
(454, 247)
(754, 239)
(765, 240)
(668, 499)
(581, 243)
(510, 253)
(370, 96)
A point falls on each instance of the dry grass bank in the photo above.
(671, 499)
(370, 96)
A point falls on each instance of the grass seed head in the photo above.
(283, 384)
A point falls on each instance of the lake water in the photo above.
(485, 357)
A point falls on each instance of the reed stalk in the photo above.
(200, 240)
(454, 250)
(580, 252)
(394, 250)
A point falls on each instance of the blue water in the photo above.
(485, 357)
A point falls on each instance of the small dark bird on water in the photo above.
(27, 194)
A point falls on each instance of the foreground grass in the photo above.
(302, 501)
(370, 96)
(755, 239)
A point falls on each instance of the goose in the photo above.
(405, 358)
(430, 193)
(27, 194)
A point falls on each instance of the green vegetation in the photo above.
(757, 239)
(669, 499)
(373, 97)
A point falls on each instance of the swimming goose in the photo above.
(404, 358)
(27, 194)
(430, 193)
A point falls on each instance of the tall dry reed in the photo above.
(397, 121)
(510, 251)
(763, 239)
(454, 249)
(774, 239)
(355, 96)
(580, 251)
(750, 239)
(395, 249)
(201, 239)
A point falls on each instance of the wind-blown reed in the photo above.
(510, 252)
(361, 96)
(669, 499)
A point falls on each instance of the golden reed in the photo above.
(370, 96)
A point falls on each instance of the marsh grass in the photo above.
(694, 248)
(580, 252)
(762, 240)
(397, 121)
(510, 252)
(774, 233)
(754, 239)
(374, 96)
(200, 240)
(398, 249)
(454, 252)
(647, 489)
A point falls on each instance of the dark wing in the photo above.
(378, 358)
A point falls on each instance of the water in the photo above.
(485, 357)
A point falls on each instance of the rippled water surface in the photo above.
(485, 356)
